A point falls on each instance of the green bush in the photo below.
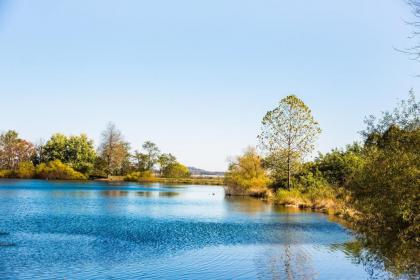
(310, 191)
(387, 188)
(292, 197)
(176, 170)
(339, 166)
(56, 170)
(75, 151)
(321, 198)
(140, 176)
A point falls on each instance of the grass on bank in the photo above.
(56, 170)
(148, 177)
(324, 199)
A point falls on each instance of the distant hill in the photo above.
(201, 172)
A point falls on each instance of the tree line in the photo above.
(75, 157)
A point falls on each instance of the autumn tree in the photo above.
(246, 174)
(113, 150)
(14, 150)
(288, 134)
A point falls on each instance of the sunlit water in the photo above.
(62, 230)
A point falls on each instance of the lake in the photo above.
(96, 230)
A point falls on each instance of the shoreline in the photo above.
(120, 179)
(183, 181)
(331, 206)
(270, 198)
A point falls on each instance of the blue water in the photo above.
(94, 230)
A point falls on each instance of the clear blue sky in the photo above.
(197, 77)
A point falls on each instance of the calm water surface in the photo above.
(62, 230)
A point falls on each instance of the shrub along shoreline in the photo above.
(59, 171)
(53, 170)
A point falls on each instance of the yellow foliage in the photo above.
(323, 198)
(246, 174)
(292, 197)
(56, 170)
(25, 170)
(176, 170)
(6, 173)
(140, 176)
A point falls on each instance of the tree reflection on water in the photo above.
(377, 255)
